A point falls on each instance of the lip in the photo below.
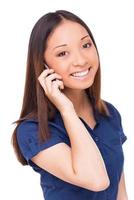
(85, 77)
(81, 70)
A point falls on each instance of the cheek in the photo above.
(94, 59)
(60, 69)
(51, 61)
(59, 66)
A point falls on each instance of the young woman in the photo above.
(66, 132)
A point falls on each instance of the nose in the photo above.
(79, 59)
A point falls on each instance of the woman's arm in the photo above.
(87, 161)
(82, 164)
(122, 193)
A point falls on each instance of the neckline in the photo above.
(96, 117)
(87, 125)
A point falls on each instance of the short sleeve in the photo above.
(27, 137)
(122, 134)
(117, 121)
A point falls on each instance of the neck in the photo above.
(79, 99)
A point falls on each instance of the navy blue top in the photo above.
(107, 134)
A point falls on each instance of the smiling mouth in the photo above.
(81, 74)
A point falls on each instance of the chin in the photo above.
(80, 86)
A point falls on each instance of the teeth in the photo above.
(79, 74)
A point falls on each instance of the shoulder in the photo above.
(116, 121)
(27, 124)
(113, 110)
(115, 116)
(28, 137)
(27, 129)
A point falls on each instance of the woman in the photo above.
(66, 132)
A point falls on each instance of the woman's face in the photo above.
(70, 50)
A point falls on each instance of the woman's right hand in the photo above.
(52, 86)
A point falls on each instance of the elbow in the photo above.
(95, 184)
(100, 185)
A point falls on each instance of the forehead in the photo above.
(67, 32)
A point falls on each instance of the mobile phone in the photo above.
(46, 66)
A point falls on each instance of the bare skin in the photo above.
(122, 193)
(78, 54)
(67, 93)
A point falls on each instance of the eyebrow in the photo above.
(62, 45)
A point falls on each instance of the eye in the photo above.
(87, 45)
(63, 53)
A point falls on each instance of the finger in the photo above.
(60, 84)
(42, 83)
(51, 77)
(48, 81)
(57, 84)
(41, 78)
(45, 73)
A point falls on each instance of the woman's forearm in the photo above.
(87, 161)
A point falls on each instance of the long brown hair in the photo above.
(35, 104)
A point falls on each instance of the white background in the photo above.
(112, 25)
